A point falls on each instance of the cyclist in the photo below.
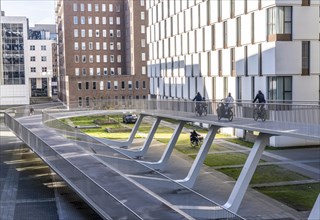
(229, 102)
(194, 137)
(261, 100)
(198, 99)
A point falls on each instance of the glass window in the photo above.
(143, 42)
(118, 20)
(79, 85)
(279, 20)
(33, 69)
(111, 46)
(82, 7)
(112, 71)
(117, 8)
(96, 20)
(97, 33)
(84, 59)
(144, 85)
(90, 45)
(87, 101)
(280, 88)
(130, 85)
(142, 15)
(104, 45)
(83, 33)
(32, 47)
(33, 58)
(83, 45)
(143, 29)
(89, 20)
(104, 33)
(80, 101)
(75, 20)
(83, 20)
(94, 85)
(77, 71)
(115, 85)
(105, 71)
(90, 58)
(105, 58)
(104, 20)
(96, 7)
(305, 57)
(119, 69)
(119, 58)
(76, 46)
(137, 84)
(141, 2)
(97, 45)
(123, 85)
(43, 58)
(90, 33)
(109, 85)
(112, 58)
(101, 85)
(110, 8)
(98, 58)
(118, 45)
(98, 71)
(84, 71)
(43, 47)
(111, 20)
(75, 33)
(143, 70)
(118, 33)
(143, 56)
(103, 7)
(87, 86)
(89, 7)
(75, 7)
(91, 71)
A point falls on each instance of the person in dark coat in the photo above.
(198, 99)
(260, 98)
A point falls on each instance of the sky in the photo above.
(37, 11)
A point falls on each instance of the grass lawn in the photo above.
(299, 197)
(266, 174)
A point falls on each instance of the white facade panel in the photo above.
(226, 9)
(246, 29)
(161, 86)
(185, 43)
(247, 88)
(213, 11)
(239, 7)
(172, 46)
(214, 63)
(195, 17)
(305, 19)
(165, 9)
(169, 67)
(207, 38)
(196, 65)
(188, 20)
(181, 22)
(199, 40)
(151, 85)
(304, 88)
(193, 87)
(203, 13)
(163, 65)
(155, 50)
(166, 47)
(168, 27)
(178, 45)
(260, 83)
(252, 6)
(160, 49)
(232, 33)
(208, 88)
(192, 42)
(253, 60)
(219, 88)
(179, 87)
(153, 68)
(315, 57)
(240, 61)
(158, 68)
(188, 67)
(175, 72)
(288, 58)
(267, 3)
(167, 86)
(162, 29)
(260, 30)
(156, 32)
(226, 62)
(204, 63)
(14, 95)
(219, 35)
(171, 8)
(177, 6)
(268, 58)
(149, 68)
(185, 88)
(182, 66)
(200, 86)
(175, 25)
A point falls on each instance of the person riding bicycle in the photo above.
(194, 137)
(261, 100)
(198, 99)
(228, 102)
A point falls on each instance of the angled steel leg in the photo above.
(141, 152)
(160, 165)
(315, 212)
(196, 166)
(126, 143)
(247, 172)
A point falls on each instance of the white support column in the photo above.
(315, 212)
(127, 143)
(160, 165)
(196, 166)
(141, 152)
(247, 172)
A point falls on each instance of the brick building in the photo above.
(102, 50)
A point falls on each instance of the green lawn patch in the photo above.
(299, 197)
(225, 159)
(266, 174)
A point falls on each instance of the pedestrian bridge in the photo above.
(108, 175)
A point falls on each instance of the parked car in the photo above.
(129, 118)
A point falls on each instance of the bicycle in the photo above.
(196, 141)
(259, 112)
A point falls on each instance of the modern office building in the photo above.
(237, 46)
(42, 61)
(13, 38)
(102, 50)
